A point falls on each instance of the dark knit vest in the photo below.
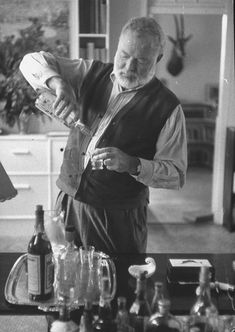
(134, 130)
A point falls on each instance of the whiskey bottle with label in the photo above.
(40, 261)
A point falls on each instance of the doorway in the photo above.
(197, 87)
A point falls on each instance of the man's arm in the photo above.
(169, 165)
(39, 67)
(63, 76)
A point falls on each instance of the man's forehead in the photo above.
(141, 41)
(131, 36)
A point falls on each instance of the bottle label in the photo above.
(34, 274)
(49, 269)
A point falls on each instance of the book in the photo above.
(90, 51)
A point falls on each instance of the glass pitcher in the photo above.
(97, 276)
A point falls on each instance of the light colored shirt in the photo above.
(168, 167)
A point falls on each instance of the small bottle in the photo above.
(122, 316)
(158, 295)
(203, 314)
(105, 321)
(45, 102)
(68, 276)
(40, 261)
(163, 320)
(140, 311)
(86, 322)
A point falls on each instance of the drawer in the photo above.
(24, 155)
(57, 150)
(32, 190)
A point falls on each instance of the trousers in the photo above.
(109, 230)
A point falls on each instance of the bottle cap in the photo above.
(39, 212)
(39, 208)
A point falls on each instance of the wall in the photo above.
(202, 61)
(119, 14)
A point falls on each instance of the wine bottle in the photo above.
(140, 310)
(203, 314)
(163, 320)
(40, 261)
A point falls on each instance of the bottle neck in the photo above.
(205, 293)
(141, 289)
(39, 226)
(39, 220)
(121, 306)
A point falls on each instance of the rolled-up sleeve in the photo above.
(169, 165)
(39, 67)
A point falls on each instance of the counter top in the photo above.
(182, 298)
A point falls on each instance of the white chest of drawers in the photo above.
(32, 163)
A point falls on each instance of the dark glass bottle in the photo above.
(140, 311)
(86, 323)
(40, 261)
(105, 321)
(162, 320)
(203, 314)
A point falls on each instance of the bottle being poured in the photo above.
(45, 103)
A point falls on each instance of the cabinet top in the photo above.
(33, 136)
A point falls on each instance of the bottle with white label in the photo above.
(45, 102)
(40, 261)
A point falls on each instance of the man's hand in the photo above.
(65, 101)
(116, 160)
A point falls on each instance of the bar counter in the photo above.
(181, 297)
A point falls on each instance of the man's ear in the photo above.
(159, 57)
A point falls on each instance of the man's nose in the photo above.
(131, 64)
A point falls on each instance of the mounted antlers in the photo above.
(176, 62)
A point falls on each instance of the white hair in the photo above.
(149, 26)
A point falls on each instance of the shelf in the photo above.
(92, 35)
(90, 24)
